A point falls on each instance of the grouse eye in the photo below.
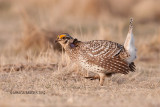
(63, 37)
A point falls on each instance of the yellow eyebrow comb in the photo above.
(61, 36)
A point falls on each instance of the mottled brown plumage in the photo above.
(107, 55)
(99, 56)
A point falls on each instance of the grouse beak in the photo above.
(56, 41)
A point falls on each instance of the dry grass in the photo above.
(64, 86)
(29, 60)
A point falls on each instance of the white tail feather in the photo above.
(129, 44)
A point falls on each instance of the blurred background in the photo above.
(31, 61)
(32, 25)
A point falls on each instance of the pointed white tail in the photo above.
(129, 44)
